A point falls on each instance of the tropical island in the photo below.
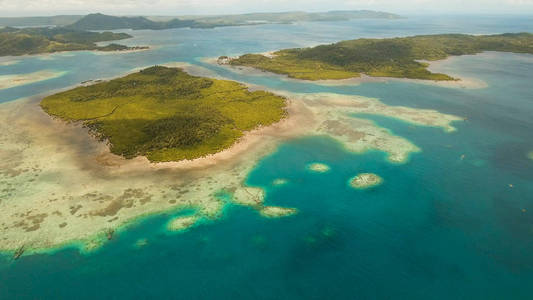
(166, 114)
(21, 41)
(405, 57)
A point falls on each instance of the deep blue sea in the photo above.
(439, 227)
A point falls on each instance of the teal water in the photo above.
(439, 227)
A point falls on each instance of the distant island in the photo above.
(394, 57)
(21, 41)
(105, 22)
(286, 17)
(100, 21)
(166, 114)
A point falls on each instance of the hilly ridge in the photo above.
(100, 21)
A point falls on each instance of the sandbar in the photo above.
(365, 180)
(279, 181)
(135, 49)
(277, 211)
(141, 243)
(10, 81)
(182, 223)
(318, 168)
(9, 62)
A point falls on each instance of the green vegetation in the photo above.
(397, 57)
(167, 114)
(15, 41)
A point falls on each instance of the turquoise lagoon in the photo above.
(444, 225)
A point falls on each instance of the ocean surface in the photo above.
(445, 225)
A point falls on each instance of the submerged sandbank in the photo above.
(279, 181)
(365, 181)
(318, 168)
(9, 81)
(277, 211)
(9, 62)
(182, 223)
(79, 191)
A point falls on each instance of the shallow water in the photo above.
(444, 225)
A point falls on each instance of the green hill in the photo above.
(167, 114)
(104, 22)
(20, 41)
(396, 57)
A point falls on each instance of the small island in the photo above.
(394, 57)
(530, 155)
(22, 41)
(166, 114)
(318, 168)
(365, 180)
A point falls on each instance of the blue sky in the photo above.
(178, 7)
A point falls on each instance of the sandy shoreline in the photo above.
(79, 190)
